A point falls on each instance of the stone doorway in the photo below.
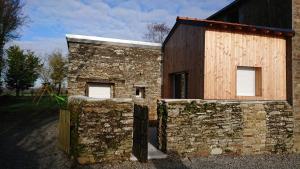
(153, 151)
(145, 139)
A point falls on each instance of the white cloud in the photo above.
(51, 20)
(42, 46)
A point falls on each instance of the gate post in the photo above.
(140, 133)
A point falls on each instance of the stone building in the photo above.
(228, 85)
(274, 13)
(113, 68)
(227, 88)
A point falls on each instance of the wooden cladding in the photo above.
(225, 51)
(184, 53)
(211, 57)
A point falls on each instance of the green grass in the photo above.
(23, 104)
(21, 112)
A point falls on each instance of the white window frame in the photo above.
(104, 94)
(246, 81)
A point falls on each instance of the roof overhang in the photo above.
(231, 27)
(110, 41)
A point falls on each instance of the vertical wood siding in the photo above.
(184, 53)
(224, 51)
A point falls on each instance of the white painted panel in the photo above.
(245, 81)
(99, 91)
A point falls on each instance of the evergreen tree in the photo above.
(22, 69)
(11, 18)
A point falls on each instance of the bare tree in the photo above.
(157, 32)
(11, 18)
(58, 66)
(45, 73)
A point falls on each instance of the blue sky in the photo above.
(50, 20)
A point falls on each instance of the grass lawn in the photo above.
(15, 110)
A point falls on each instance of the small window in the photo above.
(140, 92)
(248, 81)
(100, 91)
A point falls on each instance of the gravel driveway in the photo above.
(30, 141)
(250, 162)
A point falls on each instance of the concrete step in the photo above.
(153, 153)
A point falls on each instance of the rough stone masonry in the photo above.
(202, 128)
(124, 66)
(101, 130)
(296, 72)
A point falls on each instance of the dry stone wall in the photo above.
(124, 66)
(296, 72)
(101, 130)
(202, 128)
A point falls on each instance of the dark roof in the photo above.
(227, 26)
(234, 4)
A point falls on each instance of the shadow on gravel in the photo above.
(172, 162)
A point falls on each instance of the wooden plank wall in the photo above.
(184, 53)
(274, 13)
(64, 130)
(224, 51)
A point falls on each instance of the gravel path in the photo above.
(31, 142)
(249, 162)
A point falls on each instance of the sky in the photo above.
(50, 20)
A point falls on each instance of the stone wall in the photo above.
(296, 72)
(267, 13)
(124, 66)
(202, 128)
(101, 130)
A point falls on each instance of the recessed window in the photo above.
(180, 85)
(140, 92)
(100, 91)
(248, 82)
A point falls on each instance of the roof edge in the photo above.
(237, 26)
(229, 6)
(112, 41)
(170, 34)
(228, 26)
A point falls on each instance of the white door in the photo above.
(99, 91)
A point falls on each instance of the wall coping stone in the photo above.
(111, 41)
(220, 101)
(90, 99)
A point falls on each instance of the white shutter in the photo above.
(99, 91)
(245, 81)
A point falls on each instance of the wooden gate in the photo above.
(64, 130)
(140, 133)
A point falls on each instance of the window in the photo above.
(100, 91)
(248, 81)
(140, 92)
(180, 83)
